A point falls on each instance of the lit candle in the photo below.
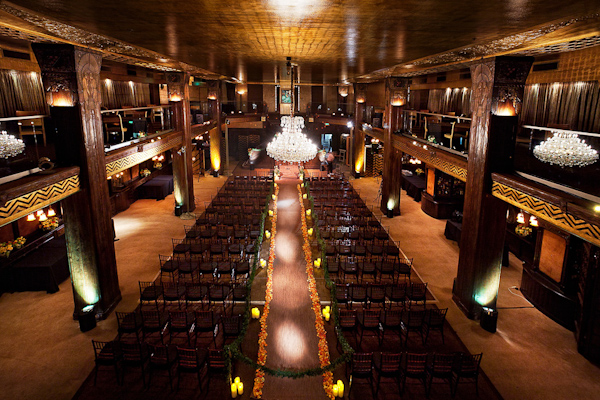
(268, 234)
(273, 197)
(237, 379)
(340, 386)
(308, 212)
(310, 231)
(335, 390)
(255, 313)
(240, 388)
(304, 196)
(327, 308)
(326, 315)
(263, 262)
(234, 390)
(270, 213)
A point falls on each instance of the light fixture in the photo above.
(39, 212)
(520, 218)
(42, 217)
(343, 91)
(51, 212)
(10, 146)
(533, 221)
(31, 217)
(565, 149)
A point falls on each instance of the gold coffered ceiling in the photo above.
(332, 41)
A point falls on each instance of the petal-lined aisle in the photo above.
(292, 342)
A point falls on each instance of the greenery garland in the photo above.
(232, 350)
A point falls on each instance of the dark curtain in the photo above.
(444, 100)
(576, 104)
(21, 90)
(119, 94)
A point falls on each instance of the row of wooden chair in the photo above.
(400, 321)
(150, 358)
(192, 293)
(452, 368)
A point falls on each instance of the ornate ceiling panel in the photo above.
(331, 40)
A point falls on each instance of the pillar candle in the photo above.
(335, 390)
(308, 212)
(255, 313)
(267, 234)
(270, 213)
(273, 196)
(263, 262)
(305, 196)
(310, 231)
(340, 386)
(233, 390)
(327, 315)
(240, 388)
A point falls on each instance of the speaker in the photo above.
(489, 319)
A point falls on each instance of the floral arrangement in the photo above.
(276, 172)
(49, 224)
(523, 230)
(259, 378)
(316, 304)
(419, 171)
(431, 139)
(301, 172)
(145, 172)
(7, 247)
(157, 165)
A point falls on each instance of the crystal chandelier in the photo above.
(10, 146)
(565, 149)
(291, 145)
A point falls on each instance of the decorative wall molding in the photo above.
(548, 212)
(143, 152)
(25, 204)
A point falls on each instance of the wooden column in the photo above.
(358, 143)
(495, 82)
(396, 93)
(183, 174)
(214, 99)
(87, 215)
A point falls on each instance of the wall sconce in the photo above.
(212, 95)
(175, 96)
(360, 98)
(241, 88)
(398, 99)
(343, 91)
(60, 97)
(506, 109)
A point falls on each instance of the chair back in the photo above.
(204, 320)
(392, 318)
(133, 352)
(179, 319)
(127, 321)
(397, 292)
(188, 358)
(151, 319)
(418, 290)
(105, 351)
(443, 363)
(216, 359)
(371, 318)
(390, 362)
(415, 319)
(231, 324)
(436, 317)
(468, 364)
(160, 355)
(348, 319)
(362, 363)
(150, 290)
(376, 292)
(416, 363)
(358, 293)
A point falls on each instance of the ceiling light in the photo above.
(10, 146)
(565, 149)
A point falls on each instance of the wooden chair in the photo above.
(190, 361)
(180, 322)
(204, 322)
(348, 322)
(388, 366)
(376, 295)
(106, 354)
(162, 358)
(397, 293)
(134, 355)
(361, 367)
(434, 320)
(369, 321)
(173, 292)
(154, 322)
(417, 292)
(451, 134)
(129, 322)
(467, 368)
(412, 321)
(441, 367)
(150, 292)
(232, 325)
(215, 365)
(33, 126)
(414, 367)
(391, 320)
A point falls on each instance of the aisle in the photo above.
(292, 341)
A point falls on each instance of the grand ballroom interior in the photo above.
(265, 199)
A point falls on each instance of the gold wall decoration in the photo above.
(23, 205)
(130, 160)
(548, 212)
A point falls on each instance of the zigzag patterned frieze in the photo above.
(548, 212)
(134, 159)
(423, 155)
(23, 205)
